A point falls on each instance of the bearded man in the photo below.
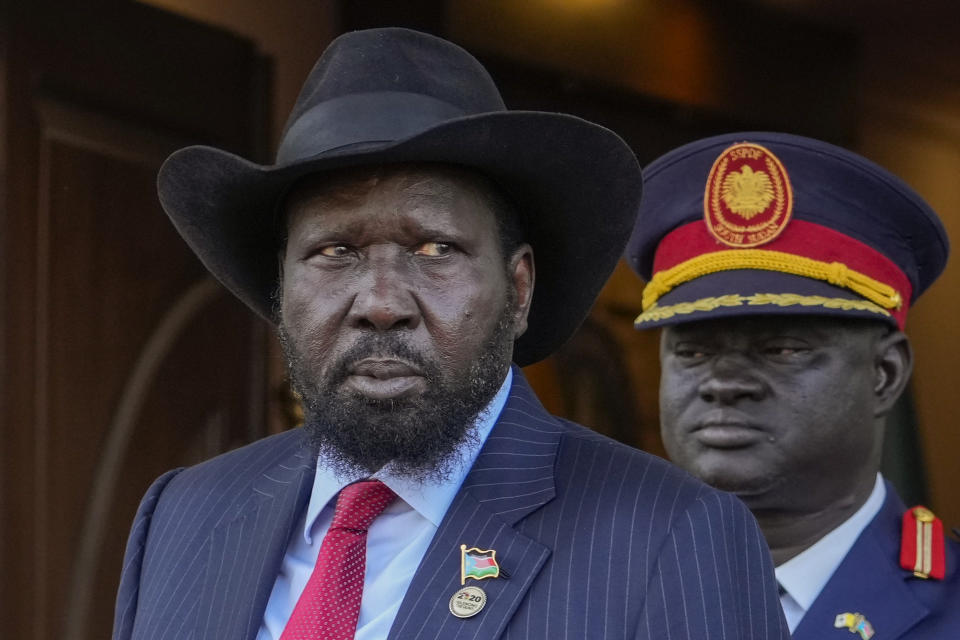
(428, 494)
(781, 269)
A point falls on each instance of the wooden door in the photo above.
(120, 358)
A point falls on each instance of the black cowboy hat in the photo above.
(398, 96)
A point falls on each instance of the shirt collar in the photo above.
(804, 576)
(429, 499)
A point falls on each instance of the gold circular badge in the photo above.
(748, 199)
(468, 602)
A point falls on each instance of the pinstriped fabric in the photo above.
(133, 558)
(599, 541)
(595, 540)
(207, 541)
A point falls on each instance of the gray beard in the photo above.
(421, 438)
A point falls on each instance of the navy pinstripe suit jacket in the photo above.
(598, 540)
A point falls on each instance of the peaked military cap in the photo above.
(772, 223)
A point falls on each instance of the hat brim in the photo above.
(577, 186)
(743, 292)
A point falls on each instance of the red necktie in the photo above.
(329, 606)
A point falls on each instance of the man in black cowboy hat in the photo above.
(781, 269)
(428, 494)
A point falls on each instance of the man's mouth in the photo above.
(385, 378)
(727, 431)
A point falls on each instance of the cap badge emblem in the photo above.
(748, 199)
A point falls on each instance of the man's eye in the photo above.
(335, 251)
(689, 353)
(433, 249)
(785, 351)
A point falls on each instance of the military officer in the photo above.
(781, 270)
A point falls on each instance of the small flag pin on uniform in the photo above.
(855, 623)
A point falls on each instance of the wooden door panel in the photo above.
(125, 358)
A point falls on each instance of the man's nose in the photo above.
(385, 299)
(731, 378)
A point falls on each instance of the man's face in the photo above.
(398, 314)
(781, 410)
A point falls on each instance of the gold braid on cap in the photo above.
(835, 273)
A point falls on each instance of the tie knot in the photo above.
(359, 503)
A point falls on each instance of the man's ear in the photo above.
(893, 364)
(522, 273)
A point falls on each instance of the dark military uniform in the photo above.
(892, 601)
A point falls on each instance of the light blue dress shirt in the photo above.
(396, 542)
(804, 576)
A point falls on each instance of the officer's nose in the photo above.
(730, 380)
(384, 298)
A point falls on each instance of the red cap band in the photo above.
(801, 238)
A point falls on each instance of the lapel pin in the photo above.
(855, 623)
(468, 602)
(478, 563)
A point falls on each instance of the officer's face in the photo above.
(775, 408)
(399, 311)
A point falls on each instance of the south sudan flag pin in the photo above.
(478, 563)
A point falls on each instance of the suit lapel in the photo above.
(869, 581)
(245, 551)
(512, 477)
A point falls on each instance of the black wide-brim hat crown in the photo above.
(399, 96)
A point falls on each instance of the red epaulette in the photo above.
(922, 546)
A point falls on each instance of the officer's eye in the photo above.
(689, 352)
(433, 249)
(786, 350)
